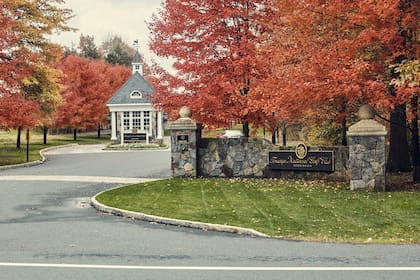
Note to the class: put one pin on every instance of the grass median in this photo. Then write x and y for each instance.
(282, 208)
(9, 154)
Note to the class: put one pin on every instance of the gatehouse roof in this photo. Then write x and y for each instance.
(136, 83)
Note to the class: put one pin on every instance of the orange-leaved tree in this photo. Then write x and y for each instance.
(15, 62)
(26, 52)
(324, 62)
(214, 45)
(330, 56)
(87, 86)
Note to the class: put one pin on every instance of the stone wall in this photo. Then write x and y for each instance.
(193, 156)
(232, 157)
(248, 157)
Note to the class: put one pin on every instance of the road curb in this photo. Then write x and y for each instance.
(175, 222)
(37, 162)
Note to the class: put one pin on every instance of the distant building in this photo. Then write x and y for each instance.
(133, 117)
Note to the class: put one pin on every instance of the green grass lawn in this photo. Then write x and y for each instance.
(289, 209)
(9, 154)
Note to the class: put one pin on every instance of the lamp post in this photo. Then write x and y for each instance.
(27, 144)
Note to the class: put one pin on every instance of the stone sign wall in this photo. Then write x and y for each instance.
(249, 157)
(363, 162)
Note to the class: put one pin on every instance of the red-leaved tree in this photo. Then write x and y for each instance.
(328, 57)
(214, 44)
(15, 62)
(26, 58)
(88, 84)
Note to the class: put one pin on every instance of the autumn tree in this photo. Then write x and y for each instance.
(324, 61)
(24, 50)
(408, 79)
(336, 54)
(88, 48)
(44, 88)
(15, 59)
(88, 84)
(405, 51)
(116, 51)
(214, 46)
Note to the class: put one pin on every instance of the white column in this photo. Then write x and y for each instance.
(113, 126)
(122, 127)
(159, 125)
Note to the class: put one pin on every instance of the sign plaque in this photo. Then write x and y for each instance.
(134, 136)
(182, 139)
(302, 160)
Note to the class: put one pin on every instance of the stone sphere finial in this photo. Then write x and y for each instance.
(366, 112)
(185, 112)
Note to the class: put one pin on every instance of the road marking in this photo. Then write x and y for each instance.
(90, 179)
(206, 268)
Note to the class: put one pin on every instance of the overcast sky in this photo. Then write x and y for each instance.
(104, 18)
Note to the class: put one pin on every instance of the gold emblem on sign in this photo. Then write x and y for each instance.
(301, 151)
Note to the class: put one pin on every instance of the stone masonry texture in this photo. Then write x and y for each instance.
(367, 163)
(248, 157)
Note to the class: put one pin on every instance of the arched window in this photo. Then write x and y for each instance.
(136, 94)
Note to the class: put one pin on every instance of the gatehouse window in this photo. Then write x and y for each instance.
(136, 95)
(126, 120)
(137, 120)
(146, 120)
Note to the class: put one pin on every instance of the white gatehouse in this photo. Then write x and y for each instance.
(133, 116)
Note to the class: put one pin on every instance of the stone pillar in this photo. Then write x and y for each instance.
(113, 126)
(367, 152)
(184, 136)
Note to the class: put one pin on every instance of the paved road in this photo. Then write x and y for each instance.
(48, 231)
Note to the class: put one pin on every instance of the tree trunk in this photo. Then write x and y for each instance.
(398, 157)
(245, 129)
(245, 125)
(75, 134)
(344, 132)
(283, 132)
(415, 150)
(273, 136)
(343, 123)
(18, 137)
(99, 131)
(45, 130)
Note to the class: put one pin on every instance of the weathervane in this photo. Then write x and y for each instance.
(136, 44)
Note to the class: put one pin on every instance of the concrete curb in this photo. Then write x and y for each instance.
(37, 162)
(175, 222)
